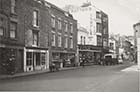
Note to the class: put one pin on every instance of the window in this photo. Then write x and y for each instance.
(37, 55)
(81, 39)
(35, 38)
(98, 27)
(71, 42)
(59, 24)
(84, 40)
(66, 42)
(71, 28)
(53, 39)
(66, 26)
(13, 6)
(36, 18)
(43, 58)
(99, 40)
(29, 58)
(1, 27)
(59, 41)
(53, 21)
(1, 4)
(111, 46)
(13, 29)
(98, 15)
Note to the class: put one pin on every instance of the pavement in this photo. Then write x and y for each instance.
(132, 68)
(2, 76)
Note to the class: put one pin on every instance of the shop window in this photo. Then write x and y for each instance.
(43, 58)
(13, 30)
(29, 58)
(38, 59)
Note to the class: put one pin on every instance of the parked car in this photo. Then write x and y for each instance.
(110, 59)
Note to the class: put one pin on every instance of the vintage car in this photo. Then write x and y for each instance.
(110, 59)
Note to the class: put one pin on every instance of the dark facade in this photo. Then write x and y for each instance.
(11, 38)
(30, 40)
(105, 32)
(63, 37)
(24, 30)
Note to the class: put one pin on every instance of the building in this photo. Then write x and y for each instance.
(137, 41)
(95, 22)
(63, 37)
(11, 39)
(33, 33)
(105, 32)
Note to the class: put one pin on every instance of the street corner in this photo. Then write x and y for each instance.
(134, 68)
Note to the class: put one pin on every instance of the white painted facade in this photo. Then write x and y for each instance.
(82, 36)
(86, 17)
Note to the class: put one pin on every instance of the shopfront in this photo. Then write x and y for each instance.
(64, 59)
(36, 59)
(11, 60)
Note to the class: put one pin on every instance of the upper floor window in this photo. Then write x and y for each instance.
(13, 29)
(1, 4)
(98, 15)
(1, 27)
(71, 27)
(66, 42)
(53, 39)
(13, 6)
(53, 21)
(59, 23)
(98, 27)
(66, 26)
(111, 46)
(71, 42)
(59, 41)
(99, 40)
(81, 39)
(35, 38)
(36, 18)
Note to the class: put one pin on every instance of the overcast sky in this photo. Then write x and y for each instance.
(122, 13)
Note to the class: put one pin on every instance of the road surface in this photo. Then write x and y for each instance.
(91, 78)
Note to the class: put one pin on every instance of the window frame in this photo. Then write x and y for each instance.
(53, 20)
(36, 18)
(13, 6)
(53, 40)
(2, 26)
(59, 40)
(12, 30)
(35, 40)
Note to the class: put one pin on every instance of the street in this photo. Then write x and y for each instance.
(91, 78)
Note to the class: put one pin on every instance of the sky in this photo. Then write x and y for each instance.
(122, 13)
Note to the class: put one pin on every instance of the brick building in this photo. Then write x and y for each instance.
(33, 33)
(63, 37)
